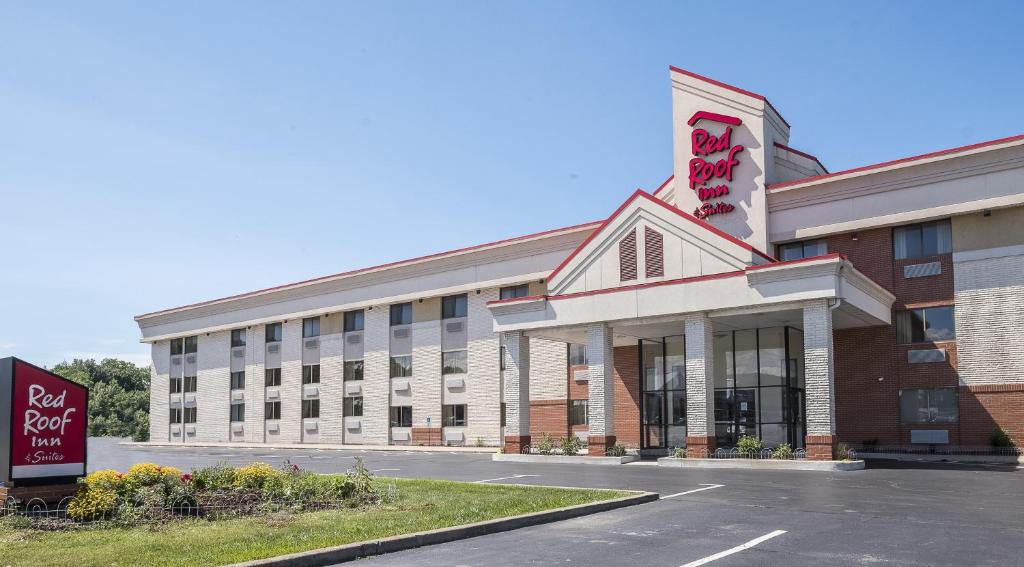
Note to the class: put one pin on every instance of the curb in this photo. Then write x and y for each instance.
(761, 464)
(358, 550)
(313, 446)
(564, 459)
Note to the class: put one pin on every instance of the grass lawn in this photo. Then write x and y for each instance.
(421, 505)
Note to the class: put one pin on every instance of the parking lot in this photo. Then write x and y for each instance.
(892, 513)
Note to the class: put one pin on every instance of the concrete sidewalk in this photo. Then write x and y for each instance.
(307, 446)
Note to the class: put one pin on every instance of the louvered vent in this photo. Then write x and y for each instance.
(401, 333)
(921, 356)
(354, 339)
(455, 327)
(627, 257)
(176, 361)
(191, 359)
(238, 353)
(274, 348)
(312, 343)
(654, 256)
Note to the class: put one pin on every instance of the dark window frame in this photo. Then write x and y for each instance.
(350, 404)
(273, 333)
(954, 419)
(399, 370)
(237, 380)
(921, 231)
(237, 415)
(450, 415)
(918, 334)
(781, 250)
(356, 372)
(271, 377)
(271, 411)
(448, 358)
(401, 314)
(310, 327)
(311, 409)
(310, 374)
(514, 291)
(575, 411)
(354, 321)
(403, 418)
(237, 338)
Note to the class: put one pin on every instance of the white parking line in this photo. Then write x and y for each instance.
(506, 477)
(385, 470)
(736, 549)
(706, 487)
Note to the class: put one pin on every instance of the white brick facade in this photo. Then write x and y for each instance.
(548, 363)
(483, 387)
(255, 350)
(700, 377)
(377, 376)
(601, 373)
(426, 384)
(291, 382)
(989, 292)
(213, 387)
(331, 388)
(819, 368)
(517, 384)
(159, 409)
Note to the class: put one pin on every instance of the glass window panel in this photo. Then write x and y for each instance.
(723, 360)
(746, 358)
(191, 345)
(272, 410)
(354, 321)
(724, 407)
(675, 363)
(791, 251)
(677, 436)
(814, 248)
(453, 306)
(796, 357)
(175, 385)
(652, 408)
(238, 338)
(514, 291)
(353, 370)
(939, 324)
(745, 405)
(774, 434)
(772, 343)
(273, 333)
(177, 346)
(311, 374)
(353, 406)
(677, 407)
(929, 406)
(310, 409)
(311, 327)
(238, 380)
(578, 412)
(401, 314)
(653, 375)
(237, 412)
(771, 405)
(577, 354)
(907, 242)
(725, 434)
(454, 362)
(401, 416)
(401, 366)
(943, 404)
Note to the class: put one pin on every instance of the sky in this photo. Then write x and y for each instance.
(159, 154)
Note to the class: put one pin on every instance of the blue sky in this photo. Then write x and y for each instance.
(153, 155)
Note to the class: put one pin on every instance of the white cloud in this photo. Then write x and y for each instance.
(7, 346)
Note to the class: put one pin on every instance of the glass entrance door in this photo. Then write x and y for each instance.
(663, 390)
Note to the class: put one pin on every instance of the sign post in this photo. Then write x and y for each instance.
(43, 420)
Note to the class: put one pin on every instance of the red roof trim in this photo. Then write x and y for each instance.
(664, 185)
(803, 154)
(729, 87)
(641, 193)
(777, 186)
(377, 267)
(714, 116)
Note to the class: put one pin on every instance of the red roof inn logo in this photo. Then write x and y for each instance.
(707, 175)
(42, 424)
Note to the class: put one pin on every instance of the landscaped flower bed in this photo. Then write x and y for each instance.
(148, 493)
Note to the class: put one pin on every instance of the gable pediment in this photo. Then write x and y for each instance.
(646, 241)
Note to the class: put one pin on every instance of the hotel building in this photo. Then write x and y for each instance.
(753, 293)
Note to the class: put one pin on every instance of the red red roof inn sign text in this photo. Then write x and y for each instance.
(713, 162)
(42, 425)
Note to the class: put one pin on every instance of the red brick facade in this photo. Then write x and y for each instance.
(627, 395)
(549, 417)
(426, 436)
(984, 408)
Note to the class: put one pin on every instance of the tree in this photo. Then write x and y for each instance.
(118, 396)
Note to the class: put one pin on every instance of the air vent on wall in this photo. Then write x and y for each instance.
(919, 356)
(176, 361)
(922, 270)
(238, 353)
(311, 343)
(401, 333)
(274, 348)
(354, 339)
(191, 359)
(455, 327)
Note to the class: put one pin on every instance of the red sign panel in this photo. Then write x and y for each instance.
(48, 424)
(709, 175)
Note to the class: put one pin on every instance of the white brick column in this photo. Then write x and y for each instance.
(819, 380)
(601, 387)
(517, 391)
(700, 385)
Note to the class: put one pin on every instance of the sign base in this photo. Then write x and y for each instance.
(47, 493)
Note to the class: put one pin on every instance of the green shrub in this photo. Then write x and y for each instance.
(571, 445)
(218, 477)
(546, 444)
(92, 503)
(258, 477)
(783, 451)
(479, 442)
(999, 438)
(616, 450)
(361, 480)
(679, 453)
(843, 452)
(749, 446)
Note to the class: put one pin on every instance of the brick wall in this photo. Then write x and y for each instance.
(548, 416)
(983, 408)
(627, 395)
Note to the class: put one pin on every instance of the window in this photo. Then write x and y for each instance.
(401, 416)
(311, 374)
(453, 416)
(311, 327)
(237, 338)
(401, 366)
(237, 412)
(273, 333)
(353, 370)
(925, 239)
(272, 377)
(577, 355)
(401, 314)
(238, 380)
(577, 412)
(353, 407)
(190, 415)
(502, 411)
(514, 291)
(190, 383)
(175, 386)
(454, 362)
(929, 324)
(802, 249)
(175, 415)
(177, 347)
(191, 345)
(272, 410)
(501, 357)
(310, 409)
(929, 406)
(453, 306)
(354, 321)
